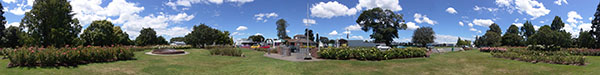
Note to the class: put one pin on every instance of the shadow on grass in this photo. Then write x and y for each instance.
(59, 66)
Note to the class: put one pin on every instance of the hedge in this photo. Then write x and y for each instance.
(67, 56)
(553, 57)
(371, 53)
(226, 52)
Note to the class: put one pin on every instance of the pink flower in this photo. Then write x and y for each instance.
(64, 53)
(31, 51)
(74, 48)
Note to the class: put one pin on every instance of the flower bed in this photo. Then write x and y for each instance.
(492, 49)
(553, 57)
(226, 52)
(585, 52)
(266, 50)
(371, 53)
(37, 56)
(172, 47)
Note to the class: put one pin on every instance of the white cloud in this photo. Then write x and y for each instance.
(173, 31)
(482, 22)
(188, 3)
(573, 16)
(536, 27)
(354, 27)
(309, 22)
(16, 24)
(531, 7)
(411, 26)
(264, 16)
(287, 30)
(591, 18)
(470, 24)
(477, 8)
(240, 28)
(9, 1)
(503, 3)
(448, 39)
(258, 34)
(347, 32)
(451, 10)
(384, 4)
(559, 2)
(333, 33)
(423, 18)
(461, 23)
(181, 17)
(473, 29)
(518, 24)
(331, 9)
(516, 19)
(358, 37)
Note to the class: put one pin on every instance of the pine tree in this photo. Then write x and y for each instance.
(596, 26)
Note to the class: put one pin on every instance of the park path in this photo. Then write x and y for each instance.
(443, 50)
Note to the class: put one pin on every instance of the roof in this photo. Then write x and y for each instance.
(300, 40)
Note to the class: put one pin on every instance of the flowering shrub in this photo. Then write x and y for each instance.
(226, 52)
(67, 56)
(492, 49)
(553, 57)
(371, 53)
(586, 52)
(266, 50)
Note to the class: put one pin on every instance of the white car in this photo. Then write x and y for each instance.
(383, 47)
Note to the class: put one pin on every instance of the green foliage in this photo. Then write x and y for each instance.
(11, 36)
(371, 53)
(3, 39)
(147, 37)
(162, 41)
(309, 34)
(281, 29)
(527, 29)
(596, 27)
(461, 42)
(226, 52)
(383, 23)
(99, 33)
(257, 38)
(180, 39)
(585, 40)
(423, 36)
(51, 23)
(203, 35)
(557, 24)
(66, 56)
(511, 37)
(553, 57)
(121, 37)
(547, 37)
(492, 37)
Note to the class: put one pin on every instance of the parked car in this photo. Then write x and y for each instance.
(255, 46)
(265, 46)
(383, 47)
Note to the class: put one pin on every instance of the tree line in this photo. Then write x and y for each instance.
(51, 23)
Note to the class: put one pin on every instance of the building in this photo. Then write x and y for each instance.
(360, 43)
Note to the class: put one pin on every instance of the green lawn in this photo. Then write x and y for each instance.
(200, 62)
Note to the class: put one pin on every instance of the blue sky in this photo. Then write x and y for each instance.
(330, 18)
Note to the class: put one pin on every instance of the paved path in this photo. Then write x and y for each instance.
(443, 50)
(293, 57)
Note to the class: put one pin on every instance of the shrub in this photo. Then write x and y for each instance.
(67, 56)
(492, 49)
(266, 50)
(371, 53)
(553, 57)
(585, 52)
(226, 52)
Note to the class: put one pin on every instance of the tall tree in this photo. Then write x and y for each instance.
(12, 36)
(547, 37)
(281, 29)
(99, 33)
(51, 23)
(423, 36)
(203, 35)
(257, 38)
(557, 24)
(147, 37)
(495, 28)
(383, 23)
(121, 37)
(309, 34)
(3, 39)
(585, 39)
(177, 39)
(527, 29)
(596, 26)
(161, 41)
(511, 37)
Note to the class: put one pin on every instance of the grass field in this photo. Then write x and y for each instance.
(200, 62)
